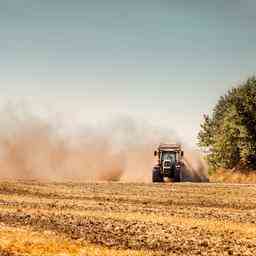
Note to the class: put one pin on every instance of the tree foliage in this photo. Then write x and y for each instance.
(229, 133)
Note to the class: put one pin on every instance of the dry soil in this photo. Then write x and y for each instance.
(127, 219)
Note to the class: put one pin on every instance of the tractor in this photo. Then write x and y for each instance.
(169, 164)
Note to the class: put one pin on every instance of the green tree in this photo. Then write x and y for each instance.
(230, 132)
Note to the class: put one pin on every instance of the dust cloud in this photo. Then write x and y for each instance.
(196, 169)
(33, 148)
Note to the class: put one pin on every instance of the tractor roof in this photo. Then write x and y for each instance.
(175, 147)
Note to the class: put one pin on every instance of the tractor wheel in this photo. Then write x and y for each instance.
(177, 175)
(156, 175)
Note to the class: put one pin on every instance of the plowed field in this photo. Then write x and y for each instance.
(127, 219)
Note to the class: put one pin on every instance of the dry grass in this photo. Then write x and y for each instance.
(25, 241)
(230, 176)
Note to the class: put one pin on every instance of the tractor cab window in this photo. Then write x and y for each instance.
(171, 156)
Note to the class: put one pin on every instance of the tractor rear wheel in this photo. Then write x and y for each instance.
(156, 175)
(177, 175)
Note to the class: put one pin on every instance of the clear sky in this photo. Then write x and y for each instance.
(165, 61)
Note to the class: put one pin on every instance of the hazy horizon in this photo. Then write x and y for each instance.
(165, 63)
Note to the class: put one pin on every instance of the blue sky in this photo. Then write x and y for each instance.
(165, 62)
